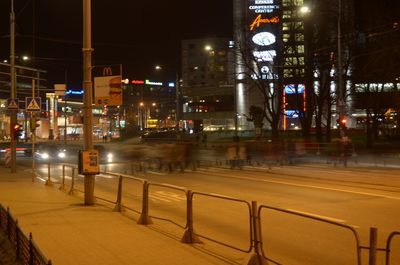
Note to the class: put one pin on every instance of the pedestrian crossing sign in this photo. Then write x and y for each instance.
(12, 103)
(32, 103)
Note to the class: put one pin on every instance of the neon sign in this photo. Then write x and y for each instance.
(265, 56)
(259, 20)
(137, 82)
(263, 2)
(263, 9)
(264, 38)
(294, 89)
(148, 82)
(74, 92)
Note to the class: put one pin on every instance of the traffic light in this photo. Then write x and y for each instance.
(34, 124)
(17, 130)
(342, 122)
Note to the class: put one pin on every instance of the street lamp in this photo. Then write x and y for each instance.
(340, 104)
(177, 96)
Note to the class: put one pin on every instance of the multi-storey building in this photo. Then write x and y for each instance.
(207, 84)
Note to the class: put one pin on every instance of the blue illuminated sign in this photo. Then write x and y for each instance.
(294, 89)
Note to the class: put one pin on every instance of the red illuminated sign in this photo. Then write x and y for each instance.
(259, 20)
(138, 82)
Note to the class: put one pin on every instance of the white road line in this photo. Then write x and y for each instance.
(154, 172)
(319, 216)
(42, 179)
(312, 187)
(154, 197)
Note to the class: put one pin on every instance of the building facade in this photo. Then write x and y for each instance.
(207, 86)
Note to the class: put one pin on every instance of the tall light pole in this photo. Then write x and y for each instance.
(177, 111)
(340, 99)
(13, 113)
(87, 95)
(177, 96)
(340, 102)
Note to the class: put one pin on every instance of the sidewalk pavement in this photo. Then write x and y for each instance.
(69, 233)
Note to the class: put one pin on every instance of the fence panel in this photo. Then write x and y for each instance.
(168, 202)
(223, 220)
(290, 237)
(26, 250)
(393, 249)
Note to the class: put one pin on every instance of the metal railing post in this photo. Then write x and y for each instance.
(62, 187)
(8, 223)
(189, 237)
(118, 206)
(144, 218)
(30, 249)
(373, 241)
(71, 191)
(48, 181)
(18, 248)
(256, 258)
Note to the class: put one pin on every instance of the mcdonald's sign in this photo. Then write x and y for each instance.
(107, 85)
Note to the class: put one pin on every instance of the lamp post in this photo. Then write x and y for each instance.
(177, 96)
(340, 102)
(13, 113)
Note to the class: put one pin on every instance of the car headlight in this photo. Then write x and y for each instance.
(61, 155)
(45, 155)
(109, 157)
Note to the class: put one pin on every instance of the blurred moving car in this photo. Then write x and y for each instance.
(159, 136)
(51, 153)
(105, 155)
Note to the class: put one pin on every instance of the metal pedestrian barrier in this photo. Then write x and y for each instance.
(250, 217)
(388, 246)
(27, 252)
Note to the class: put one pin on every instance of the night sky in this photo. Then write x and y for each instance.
(138, 34)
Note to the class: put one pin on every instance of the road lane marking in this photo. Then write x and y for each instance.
(318, 216)
(307, 186)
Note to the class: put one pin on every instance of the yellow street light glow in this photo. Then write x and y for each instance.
(305, 10)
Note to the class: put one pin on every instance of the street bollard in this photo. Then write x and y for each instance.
(7, 158)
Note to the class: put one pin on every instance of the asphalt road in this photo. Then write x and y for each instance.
(360, 197)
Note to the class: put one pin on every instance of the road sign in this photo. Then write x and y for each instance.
(60, 89)
(32, 103)
(12, 103)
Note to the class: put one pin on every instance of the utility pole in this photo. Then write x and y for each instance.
(340, 100)
(177, 101)
(33, 132)
(13, 112)
(87, 88)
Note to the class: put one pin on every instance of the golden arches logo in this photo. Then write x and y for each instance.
(107, 71)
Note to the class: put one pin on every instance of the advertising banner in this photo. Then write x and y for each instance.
(264, 23)
(108, 85)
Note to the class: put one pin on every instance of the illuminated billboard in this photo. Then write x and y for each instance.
(264, 24)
